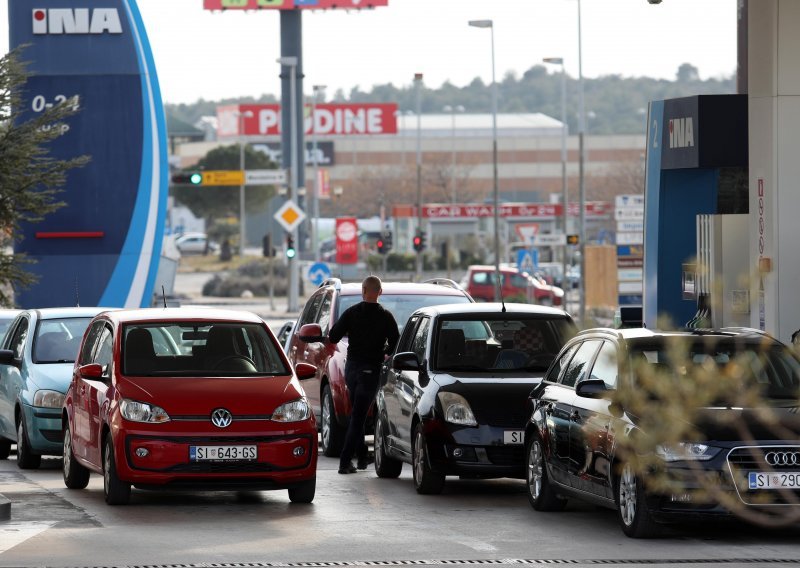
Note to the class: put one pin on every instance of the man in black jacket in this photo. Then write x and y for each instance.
(372, 333)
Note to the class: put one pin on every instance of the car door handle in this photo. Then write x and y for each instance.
(575, 416)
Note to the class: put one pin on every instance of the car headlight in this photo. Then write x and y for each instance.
(142, 412)
(686, 451)
(294, 411)
(48, 399)
(456, 409)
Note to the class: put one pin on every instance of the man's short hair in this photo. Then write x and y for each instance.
(371, 284)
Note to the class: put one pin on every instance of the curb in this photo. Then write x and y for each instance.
(5, 508)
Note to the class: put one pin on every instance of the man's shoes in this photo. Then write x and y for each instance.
(349, 468)
(363, 463)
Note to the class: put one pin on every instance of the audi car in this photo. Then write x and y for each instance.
(180, 398)
(663, 426)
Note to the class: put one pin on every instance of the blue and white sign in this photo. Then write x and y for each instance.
(527, 259)
(106, 241)
(318, 273)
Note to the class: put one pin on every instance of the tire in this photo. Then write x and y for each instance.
(541, 494)
(26, 459)
(5, 448)
(303, 493)
(634, 516)
(385, 466)
(426, 480)
(332, 433)
(115, 491)
(75, 475)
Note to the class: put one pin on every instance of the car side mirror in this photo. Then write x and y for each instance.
(92, 371)
(6, 357)
(592, 388)
(305, 371)
(406, 361)
(311, 333)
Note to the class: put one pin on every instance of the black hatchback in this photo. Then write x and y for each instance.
(665, 426)
(454, 399)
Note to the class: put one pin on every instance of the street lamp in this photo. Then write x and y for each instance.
(564, 196)
(417, 88)
(291, 62)
(242, 115)
(316, 185)
(489, 24)
(581, 182)
(453, 110)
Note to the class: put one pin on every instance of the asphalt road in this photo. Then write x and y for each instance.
(355, 520)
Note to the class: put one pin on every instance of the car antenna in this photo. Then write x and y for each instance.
(77, 296)
(164, 295)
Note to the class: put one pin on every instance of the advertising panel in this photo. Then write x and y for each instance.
(325, 155)
(346, 240)
(291, 4)
(594, 210)
(102, 247)
(357, 119)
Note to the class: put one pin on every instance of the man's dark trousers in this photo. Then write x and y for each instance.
(362, 384)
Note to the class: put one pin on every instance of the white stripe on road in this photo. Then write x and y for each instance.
(12, 534)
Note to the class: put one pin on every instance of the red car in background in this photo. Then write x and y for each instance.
(515, 286)
(181, 398)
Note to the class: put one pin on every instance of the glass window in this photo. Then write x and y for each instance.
(577, 367)
(105, 349)
(519, 281)
(402, 306)
(17, 344)
(205, 349)
(91, 339)
(408, 335)
(421, 339)
(605, 366)
(312, 307)
(324, 318)
(560, 364)
(58, 340)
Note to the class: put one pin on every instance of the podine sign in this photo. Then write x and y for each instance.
(103, 247)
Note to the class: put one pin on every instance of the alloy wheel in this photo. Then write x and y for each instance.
(326, 421)
(535, 466)
(627, 495)
(419, 456)
(378, 442)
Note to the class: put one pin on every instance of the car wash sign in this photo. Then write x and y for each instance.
(103, 247)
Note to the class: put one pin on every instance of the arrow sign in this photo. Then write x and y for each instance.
(318, 273)
(223, 177)
(264, 177)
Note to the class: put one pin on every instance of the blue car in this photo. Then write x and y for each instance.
(37, 355)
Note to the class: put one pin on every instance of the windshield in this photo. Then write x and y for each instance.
(192, 348)
(771, 367)
(58, 340)
(502, 344)
(402, 306)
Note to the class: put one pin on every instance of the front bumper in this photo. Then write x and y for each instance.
(477, 451)
(43, 426)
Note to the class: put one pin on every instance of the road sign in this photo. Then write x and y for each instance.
(549, 240)
(264, 177)
(526, 231)
(223, 177)
(527, 260)
(635, 200)
(630, 226)
(289, 215)
(630, 238)
(318, 273)
(628, 214)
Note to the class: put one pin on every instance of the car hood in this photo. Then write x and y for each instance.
(494, 401)
(195, 395)
(50, 376)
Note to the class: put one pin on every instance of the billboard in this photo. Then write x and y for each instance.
(291, 4)
(328, 120)
(104, 245)
(346, 240)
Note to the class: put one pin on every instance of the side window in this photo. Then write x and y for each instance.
(408, 334)
(560, 364)
(88, 345)
(324, 318)
(310, 313)
(17, 344)
(579, 364)
(421, 338)
(519, 281)
(605, 366)
(105, 349)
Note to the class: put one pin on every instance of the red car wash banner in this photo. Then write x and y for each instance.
(346, 240)
(291, 4)
(328, 120)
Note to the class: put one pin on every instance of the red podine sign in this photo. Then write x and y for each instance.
(346, 240)
(594, 209)
(329, 120)
(291, 4)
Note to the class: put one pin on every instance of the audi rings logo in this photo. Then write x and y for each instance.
(221, 418)
(779, 459)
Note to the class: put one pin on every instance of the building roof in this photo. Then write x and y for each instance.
(467, 124)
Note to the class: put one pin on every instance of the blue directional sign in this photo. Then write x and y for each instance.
(318, 273)
(527, 260)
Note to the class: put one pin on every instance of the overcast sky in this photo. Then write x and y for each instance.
(201, 54)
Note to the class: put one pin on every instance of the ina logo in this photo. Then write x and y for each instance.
(681, 132)
(76, 21)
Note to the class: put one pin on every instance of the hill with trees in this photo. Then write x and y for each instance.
(614, 104)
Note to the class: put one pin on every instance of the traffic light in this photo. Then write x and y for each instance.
(573, 239)
(387, 241)
(419, 242)
(380, 245)
(291, 252)
(187, 178)
(384, 243)
(266, 243)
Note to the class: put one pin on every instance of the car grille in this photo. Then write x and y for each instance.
(741, 461)
(506, 455)
(232, 467)
(496, 411)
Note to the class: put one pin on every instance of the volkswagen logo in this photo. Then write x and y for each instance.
(779, 459)
(221, 418)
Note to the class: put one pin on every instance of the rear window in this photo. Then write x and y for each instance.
(207, 349)
(499, 344)
(403, 305)
(58, 340)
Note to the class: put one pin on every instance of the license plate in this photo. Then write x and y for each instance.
(774, 480)
(223, 453)
(513, 437)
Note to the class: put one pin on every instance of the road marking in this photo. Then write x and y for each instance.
(12, 534)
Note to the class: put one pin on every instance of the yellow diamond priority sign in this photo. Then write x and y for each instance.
(289, 215)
